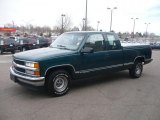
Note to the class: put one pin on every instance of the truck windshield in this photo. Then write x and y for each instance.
(69, 41)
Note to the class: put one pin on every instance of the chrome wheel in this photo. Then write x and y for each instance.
(138, 69)
(60, 83)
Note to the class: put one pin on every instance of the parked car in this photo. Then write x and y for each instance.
(77, 55)
(155, 45)
(8, 45)
(27, 43)
(43, 42)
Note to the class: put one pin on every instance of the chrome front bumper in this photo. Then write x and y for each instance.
(34, 81)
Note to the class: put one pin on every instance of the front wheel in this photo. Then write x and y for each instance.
(136, 70)
(58, 83)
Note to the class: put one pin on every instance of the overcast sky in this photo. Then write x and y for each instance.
(47, 12)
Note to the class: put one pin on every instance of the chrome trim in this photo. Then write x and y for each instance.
(130, 63)
(60, 66)
(39, 83)
(36, 81)
(100, 68)
(25, 67)
(24, 73)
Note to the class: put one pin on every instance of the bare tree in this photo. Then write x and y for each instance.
(75, 28)
(63, 23)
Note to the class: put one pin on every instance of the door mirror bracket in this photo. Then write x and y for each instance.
(87, 50)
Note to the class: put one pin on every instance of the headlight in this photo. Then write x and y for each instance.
(32, 64)
(37, 73)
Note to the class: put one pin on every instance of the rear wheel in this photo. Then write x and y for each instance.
(1, 51)
(136, 70)
(58, 83)
(13, 51)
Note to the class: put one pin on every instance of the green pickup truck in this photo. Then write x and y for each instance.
(77, 55)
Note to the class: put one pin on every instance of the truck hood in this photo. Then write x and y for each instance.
(42, 53)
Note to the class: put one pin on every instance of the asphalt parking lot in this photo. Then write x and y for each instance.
(114, 97)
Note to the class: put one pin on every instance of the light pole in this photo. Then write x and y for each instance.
(86, 15)
(62, 15)
(146, 29)
(111, 16)
(134, 23)
(83, 27)
(98, 24)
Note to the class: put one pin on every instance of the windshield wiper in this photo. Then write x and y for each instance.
(62, 47)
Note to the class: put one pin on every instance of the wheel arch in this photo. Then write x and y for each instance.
(139, 58)
(67, 67)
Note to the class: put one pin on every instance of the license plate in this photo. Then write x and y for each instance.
(11, 45)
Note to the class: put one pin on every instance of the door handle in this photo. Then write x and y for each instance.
(107, 55)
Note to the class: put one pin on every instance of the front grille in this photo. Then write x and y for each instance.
(19, 62)
(19, 69)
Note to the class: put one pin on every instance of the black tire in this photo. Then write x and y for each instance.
(13, 51)
(58, 83)
(136, 70)
(1, 51)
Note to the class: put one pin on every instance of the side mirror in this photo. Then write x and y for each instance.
(87, 50)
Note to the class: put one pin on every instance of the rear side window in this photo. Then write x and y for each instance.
(10, 41)
(24, 41)
(111, 39)
(112, 42)
(95, 41)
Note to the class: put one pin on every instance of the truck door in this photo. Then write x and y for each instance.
(96, 61)
(114, 52)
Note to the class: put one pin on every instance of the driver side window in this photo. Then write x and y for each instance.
(95, 41)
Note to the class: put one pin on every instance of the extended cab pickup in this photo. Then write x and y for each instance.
(77, 55)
